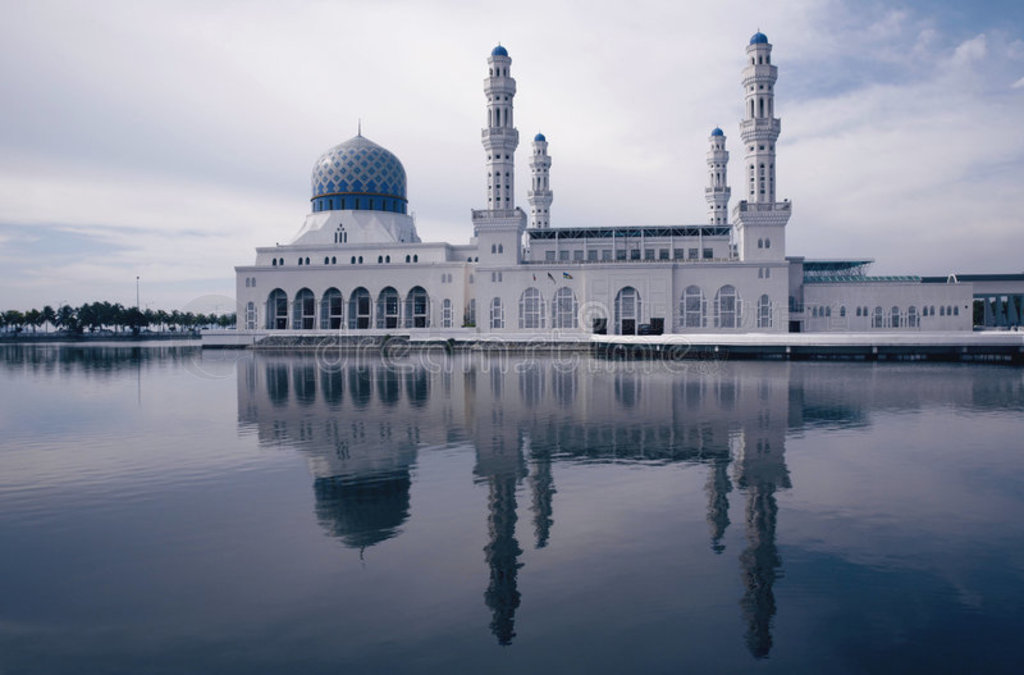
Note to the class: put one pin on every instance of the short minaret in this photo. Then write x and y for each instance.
(759, 128)
(717, 192)
(499, 227)
(540, 195)
(500, 138)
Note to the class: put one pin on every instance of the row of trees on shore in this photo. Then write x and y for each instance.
(95, 316)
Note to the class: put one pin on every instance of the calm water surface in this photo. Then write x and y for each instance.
(172, 511)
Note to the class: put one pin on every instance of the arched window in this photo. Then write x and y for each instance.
(327, 260)
(304, 310)
(877, 318)
(913, 320)
(359, 309)
(408, 258)
(497, 314)
(417, 308)
(764, 312)
(387, 308)
(277, 310)
(273, 263)
(531, 309)
(446, 313)
(727, 307)
(895, 314)
(842, 311)
(330, 310)
(627, 311)
(693, 310)
(501, 248)
(760, 243)
(416, 258)
(250, 316)
(767, 243)
(564, 309)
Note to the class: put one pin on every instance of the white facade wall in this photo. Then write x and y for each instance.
(834, 306)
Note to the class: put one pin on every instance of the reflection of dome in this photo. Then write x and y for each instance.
(364, 511)
(358, 175)
(717, 132)
(759, 38)
(499, 51)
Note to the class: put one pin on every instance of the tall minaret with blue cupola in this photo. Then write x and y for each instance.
(499, 227)
(500, 138)
(760, 128)
(540, 195)
(717, 192)
(760, 221)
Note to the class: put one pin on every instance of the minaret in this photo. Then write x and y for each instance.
(500, 138)
(758, 220)
(759, 128)
(540, 194)
(499, 227)
(717, 192)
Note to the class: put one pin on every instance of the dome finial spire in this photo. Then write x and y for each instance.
(359, 127)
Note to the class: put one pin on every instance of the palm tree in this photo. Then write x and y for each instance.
(34, 318)
(50, 317)
(66, 318)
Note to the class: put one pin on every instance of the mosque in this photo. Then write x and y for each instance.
(358, 264)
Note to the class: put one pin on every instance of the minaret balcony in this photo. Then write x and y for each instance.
(717, 190)
(500, 132)
(761, 125)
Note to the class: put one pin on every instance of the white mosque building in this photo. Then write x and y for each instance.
(358, 265)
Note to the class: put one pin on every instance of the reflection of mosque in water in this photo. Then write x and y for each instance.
(359, 428)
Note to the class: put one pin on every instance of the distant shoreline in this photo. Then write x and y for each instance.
(32, 338)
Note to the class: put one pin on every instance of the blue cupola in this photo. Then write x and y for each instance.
(499, 51)
(539, 137)
(717, 132)
(759, 38)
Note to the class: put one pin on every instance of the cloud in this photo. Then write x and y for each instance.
(1019, 84)
(970, 51)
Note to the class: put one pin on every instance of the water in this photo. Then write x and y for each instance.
(172, 511)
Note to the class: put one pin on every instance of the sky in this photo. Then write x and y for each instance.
(164, 141)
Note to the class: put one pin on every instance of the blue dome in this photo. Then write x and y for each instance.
(499, 51)
(358, 174)
(539, 137)
(717, 132)
(759, 38)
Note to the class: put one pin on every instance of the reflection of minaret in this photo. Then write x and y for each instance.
(501, 464)
(542, 486)
(718, 487)
(761, 470)
(502, 553)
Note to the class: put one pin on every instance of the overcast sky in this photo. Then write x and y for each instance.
(168, 139)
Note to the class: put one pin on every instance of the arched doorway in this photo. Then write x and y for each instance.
(277, 310)
(627, 311)
(359, 309)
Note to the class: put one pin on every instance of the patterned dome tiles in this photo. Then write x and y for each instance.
(358, 165)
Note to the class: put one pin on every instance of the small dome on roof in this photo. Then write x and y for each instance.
(540, 137)
(759, 38)
(717, 132)
(499, 51)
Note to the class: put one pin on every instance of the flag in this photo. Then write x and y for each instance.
(552, 278)
(566, 275)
